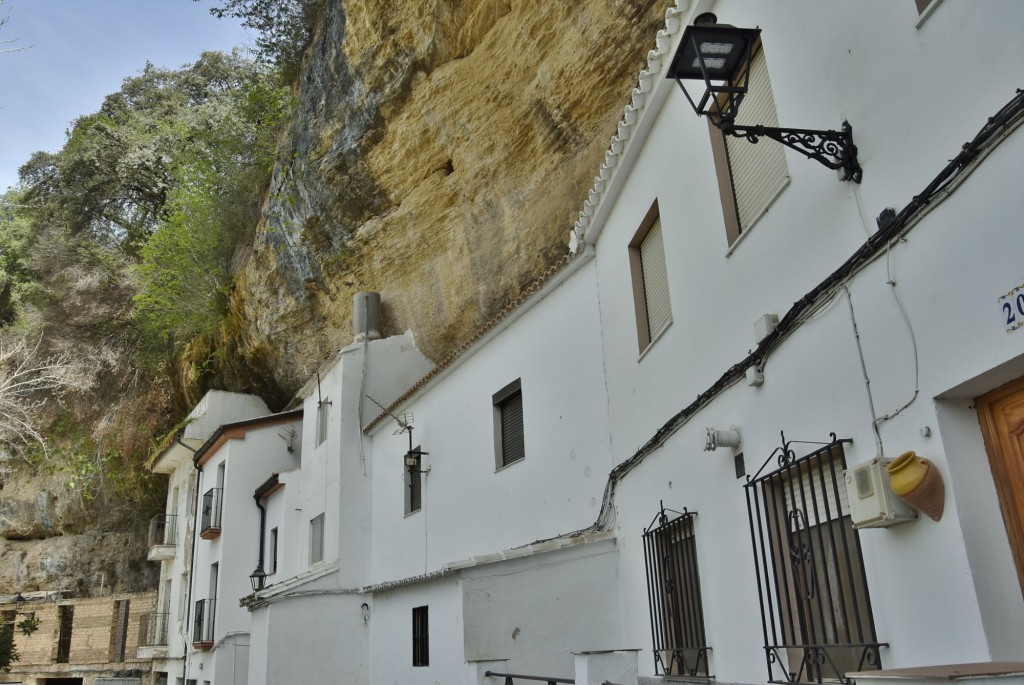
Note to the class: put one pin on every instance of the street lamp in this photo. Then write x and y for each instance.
(719, 55)
(258, 578)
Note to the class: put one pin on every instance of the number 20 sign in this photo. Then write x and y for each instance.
(1012, 305)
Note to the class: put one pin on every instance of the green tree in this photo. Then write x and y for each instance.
(17, 280)
(8, 652)
(118, 249)
(283, 28)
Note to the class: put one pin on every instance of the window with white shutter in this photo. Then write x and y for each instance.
(750, 175)
(650, 280)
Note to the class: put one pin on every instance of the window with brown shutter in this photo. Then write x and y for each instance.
(509, 438)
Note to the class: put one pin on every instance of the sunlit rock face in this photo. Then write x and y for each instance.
(439, 154)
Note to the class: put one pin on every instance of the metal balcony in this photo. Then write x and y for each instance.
(153, 629)
(202, 624)
(212, 501)
(163, 537)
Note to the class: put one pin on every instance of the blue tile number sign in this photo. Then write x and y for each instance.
(1012, 306)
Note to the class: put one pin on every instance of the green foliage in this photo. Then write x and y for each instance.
(29, 624)
(185, 272)
(18, 283)
(283, 28)
(116, 251)
(8, 652)
(112, 180)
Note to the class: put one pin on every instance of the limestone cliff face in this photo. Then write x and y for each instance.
(49, 540)
(439, 154)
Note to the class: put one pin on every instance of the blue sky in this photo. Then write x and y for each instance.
(81, 51)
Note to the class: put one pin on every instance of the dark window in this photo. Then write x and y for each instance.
(420, 637)
(816, 611)
(413, 481)
(7, 632)
(119, 631)
(66, 619)
(510, 444)
(673, 584)
(210, 527)
(273, 551)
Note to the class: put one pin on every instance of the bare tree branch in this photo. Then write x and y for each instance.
(9, 42)
(27, 383)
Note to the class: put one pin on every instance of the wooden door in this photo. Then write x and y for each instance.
(1001, 413)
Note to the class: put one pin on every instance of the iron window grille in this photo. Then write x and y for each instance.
(211, 510)
(202, 623)
(815, 606)
(508, 418)
(673, 591)
(420, 637)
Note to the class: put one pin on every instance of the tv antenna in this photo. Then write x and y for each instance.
(404, 422)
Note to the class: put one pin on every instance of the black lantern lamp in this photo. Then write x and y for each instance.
(720, 55)
(258, 578)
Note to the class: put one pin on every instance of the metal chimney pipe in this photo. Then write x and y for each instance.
(366, 315)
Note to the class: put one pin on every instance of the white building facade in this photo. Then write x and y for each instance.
(661, 463)
(166, 634)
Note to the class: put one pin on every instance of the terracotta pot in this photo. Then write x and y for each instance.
(916, 481)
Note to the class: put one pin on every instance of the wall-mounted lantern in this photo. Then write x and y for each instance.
(719, 55)
(258, 578)
(365, 609)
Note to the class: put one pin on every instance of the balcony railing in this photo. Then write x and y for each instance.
(510, 677)
(202, 623)
(153, 629)
(211, 513)
(163, 530)
(163, 537)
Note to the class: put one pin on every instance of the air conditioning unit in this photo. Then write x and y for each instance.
(872, 502)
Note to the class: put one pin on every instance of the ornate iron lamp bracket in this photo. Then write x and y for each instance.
(834, 149)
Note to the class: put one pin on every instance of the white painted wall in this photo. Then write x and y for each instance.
(330, 647)
(316, 631)
(941, 592)
(469, 507)
(216, 408)
(248, 462)
(536, 611)
(391, 634)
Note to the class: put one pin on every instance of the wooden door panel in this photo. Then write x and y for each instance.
(1001, 414)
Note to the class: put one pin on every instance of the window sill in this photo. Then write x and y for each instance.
(509, 465)
(654, 339)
